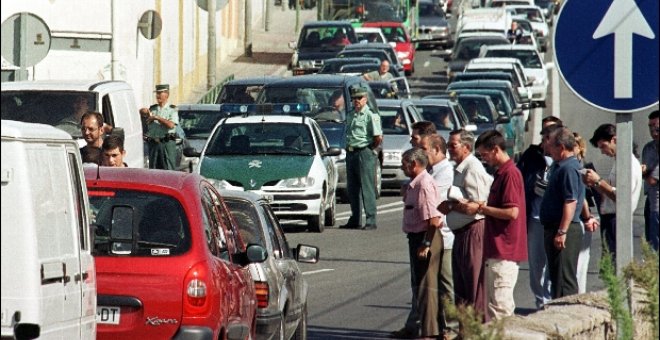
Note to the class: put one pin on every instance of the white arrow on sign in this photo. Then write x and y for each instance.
(623, 19)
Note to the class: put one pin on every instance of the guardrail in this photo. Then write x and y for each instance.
(212, 94)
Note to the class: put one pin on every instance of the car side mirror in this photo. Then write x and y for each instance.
(292, 45)
(191, 152)
(503, 119)
(334, 151)
(306, 254)
(517, 112)
(256, 253)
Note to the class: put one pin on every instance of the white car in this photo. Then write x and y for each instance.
(536, 17)
(532, 63)
(286, 159)
(363, 34)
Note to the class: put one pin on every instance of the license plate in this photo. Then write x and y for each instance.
(107, 315)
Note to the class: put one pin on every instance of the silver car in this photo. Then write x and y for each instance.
(280, 285)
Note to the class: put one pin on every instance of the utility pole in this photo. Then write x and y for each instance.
(297, 16)
(268, 10)
(211, 82)
(248, 28)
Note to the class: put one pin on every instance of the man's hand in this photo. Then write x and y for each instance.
(445, 207)
(560, 241)
(591, 225)
(590, 177)
(144, 112)
(423, 252)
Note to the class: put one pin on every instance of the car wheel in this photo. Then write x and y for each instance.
(317, 223)
(301, 331)
(330, 218)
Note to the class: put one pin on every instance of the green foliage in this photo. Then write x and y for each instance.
(616, 291)
(645, 274)
(472, 326)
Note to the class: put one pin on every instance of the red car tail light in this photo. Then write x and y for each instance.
(262, 294)
(195, 295)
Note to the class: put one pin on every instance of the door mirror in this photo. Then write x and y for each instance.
(256, 253)
(306, 254)
(191, 152)
(292, 45)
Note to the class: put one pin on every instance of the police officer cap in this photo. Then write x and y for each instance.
(358, 92)
(162, 87)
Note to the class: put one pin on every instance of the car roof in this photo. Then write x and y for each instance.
(488, 66)
(383, 24)
(366, 29)
(21, 130)
(327, 23)
(62, 85)
(135, 176)
(246, 195)
(253, 80)
(352, 60)
(478, 82)
(511, 47)
(432, 101)
(315, 80)
(267, 119)
(367, 46)
(198, 107)
(392, 102)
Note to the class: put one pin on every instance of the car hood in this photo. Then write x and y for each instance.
(432, 21)
(396, 143)
(253, 171)
(457, 65)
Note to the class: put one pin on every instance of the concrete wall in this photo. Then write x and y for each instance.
(177, 57)
(584, 316)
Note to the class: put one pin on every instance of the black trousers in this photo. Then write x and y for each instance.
(562, 263)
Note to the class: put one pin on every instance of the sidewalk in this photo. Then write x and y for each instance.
(270, 50)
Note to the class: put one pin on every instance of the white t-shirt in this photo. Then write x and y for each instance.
(608, 206)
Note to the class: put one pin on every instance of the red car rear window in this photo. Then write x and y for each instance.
(133, 223)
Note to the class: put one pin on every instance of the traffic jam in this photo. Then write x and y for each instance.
(202, 246)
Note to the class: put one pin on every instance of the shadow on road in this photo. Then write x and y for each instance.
(322, 333)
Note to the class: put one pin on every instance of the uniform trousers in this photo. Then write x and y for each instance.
(162, 155)
(361, 185)
(467, 266)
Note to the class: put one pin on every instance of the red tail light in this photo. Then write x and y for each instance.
(262, 294)
(195, 291)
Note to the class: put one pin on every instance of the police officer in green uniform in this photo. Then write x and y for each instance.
(161, 119)
(363, 135)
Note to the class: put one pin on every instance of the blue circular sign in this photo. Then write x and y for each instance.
(607, 52)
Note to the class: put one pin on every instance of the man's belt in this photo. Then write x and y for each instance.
(354, 149)
(168, 137)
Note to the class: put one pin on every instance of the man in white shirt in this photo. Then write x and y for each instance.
(604, 138)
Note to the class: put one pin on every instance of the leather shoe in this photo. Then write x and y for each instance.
(404, 333)
(369, 227)
(349, 226)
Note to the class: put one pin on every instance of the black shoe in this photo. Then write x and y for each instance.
(404, 333)
(349, 226)
(369, 227)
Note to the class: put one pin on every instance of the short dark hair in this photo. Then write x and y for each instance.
(90, 154)
(605, 132)
(490, 139)
(550, 128)
(424, 127)
(437, 142)
(551, 119)
(655, 114)
(92, 114)
(112, 142)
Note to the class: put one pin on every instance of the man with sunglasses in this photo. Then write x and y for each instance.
(363, 135)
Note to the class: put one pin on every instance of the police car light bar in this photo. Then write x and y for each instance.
(267, 109)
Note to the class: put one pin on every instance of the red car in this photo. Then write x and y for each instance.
(405, 49)
(169, 258)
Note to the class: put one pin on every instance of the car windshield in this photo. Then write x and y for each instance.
(198, 124)
(326, 38)
(320, 100)
(440, 115)
(261, 139)
(365, 10)
(238, 94)
(476, 110)
(393, 121)
(247, 217)
(531, 14)
(469, 49)
(335, 134)
(529, 59)
(137, 223)
(430, 10)
(55, 108)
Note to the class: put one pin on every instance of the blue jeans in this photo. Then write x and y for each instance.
(652, 224)
(539, 277)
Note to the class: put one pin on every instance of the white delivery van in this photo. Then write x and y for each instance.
(52, 101)
(48, 273)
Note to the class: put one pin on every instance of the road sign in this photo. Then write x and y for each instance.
(607, 52)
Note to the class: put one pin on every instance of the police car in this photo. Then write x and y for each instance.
(286, 159)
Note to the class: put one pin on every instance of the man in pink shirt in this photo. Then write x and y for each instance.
(421, 220)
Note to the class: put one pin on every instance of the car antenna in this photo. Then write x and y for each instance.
(98, 169)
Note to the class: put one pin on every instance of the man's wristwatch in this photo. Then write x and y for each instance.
(427, 243)
(561, 232)
(597, 184)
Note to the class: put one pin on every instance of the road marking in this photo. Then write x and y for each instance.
(427, 63)
(317, 271)
(400, 203)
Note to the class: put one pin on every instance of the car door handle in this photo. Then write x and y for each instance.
(81, 276)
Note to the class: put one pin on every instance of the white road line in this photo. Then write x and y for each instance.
(427, 63)
(317, 271)
(379, 212)
(348, 213)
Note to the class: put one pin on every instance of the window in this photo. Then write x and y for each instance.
(79, 199)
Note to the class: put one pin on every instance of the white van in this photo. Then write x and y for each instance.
(48, 273)
(51, 102)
